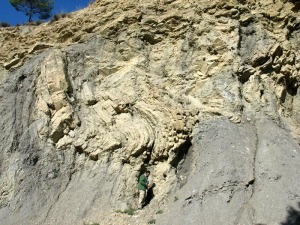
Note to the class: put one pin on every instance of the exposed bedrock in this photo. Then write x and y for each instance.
(203, 93)
(236, 174)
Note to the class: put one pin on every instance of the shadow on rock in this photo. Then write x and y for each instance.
(293, 217)
(150, 194)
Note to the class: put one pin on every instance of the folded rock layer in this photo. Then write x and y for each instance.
(205, 94)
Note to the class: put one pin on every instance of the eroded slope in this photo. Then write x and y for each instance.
(90, 101)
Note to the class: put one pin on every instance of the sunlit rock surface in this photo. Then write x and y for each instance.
(203, 93)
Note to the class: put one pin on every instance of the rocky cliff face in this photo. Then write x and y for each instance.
(203, 93)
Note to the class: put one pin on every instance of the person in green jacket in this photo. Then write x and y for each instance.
(142, 187)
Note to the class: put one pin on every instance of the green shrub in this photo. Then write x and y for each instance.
(38, 22)
(152, 221)
(34, 23)
(4, 24)
(58, 16)
(159, 212)
(130, 211)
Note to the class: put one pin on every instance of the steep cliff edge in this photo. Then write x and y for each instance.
(203, 93)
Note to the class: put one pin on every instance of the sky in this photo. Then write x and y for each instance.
(10, 15)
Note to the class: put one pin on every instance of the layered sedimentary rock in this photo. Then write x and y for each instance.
(203, 93)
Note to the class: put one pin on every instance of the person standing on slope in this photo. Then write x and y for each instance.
(142, 187)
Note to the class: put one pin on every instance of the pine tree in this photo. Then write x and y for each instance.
(41, 8)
